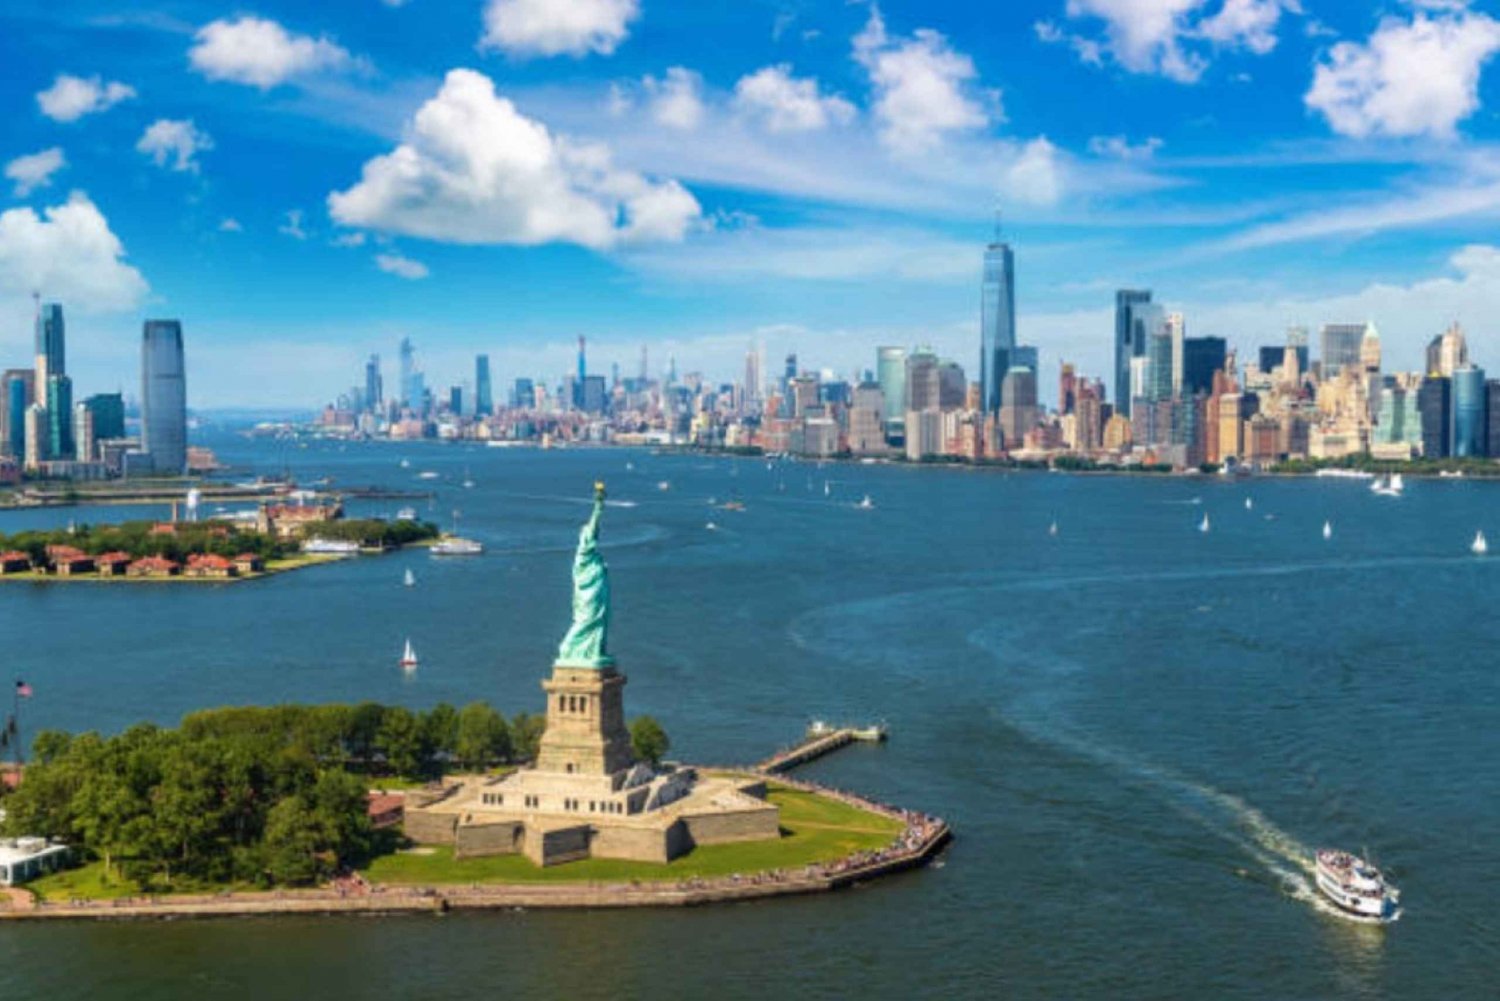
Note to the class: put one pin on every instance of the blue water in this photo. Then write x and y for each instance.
(1137, 729)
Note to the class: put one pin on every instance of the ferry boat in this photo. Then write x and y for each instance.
(456, 546)
(1356, 887)
(1480, 545)
(408, 658)
(343, 547)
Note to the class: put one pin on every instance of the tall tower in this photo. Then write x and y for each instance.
(997, 318)
(1130, 342)
(50, 354)
(484, 393)
(408, 369)
(164, 397)
(374, 385)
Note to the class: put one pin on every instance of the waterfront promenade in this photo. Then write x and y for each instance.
(920, 840)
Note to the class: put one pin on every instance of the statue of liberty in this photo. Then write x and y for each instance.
(585, 644)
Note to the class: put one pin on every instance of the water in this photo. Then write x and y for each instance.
(1138, 730)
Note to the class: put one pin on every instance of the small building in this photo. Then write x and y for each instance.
(385, 809)
(163, 528)
(68, 560)
(291, 521)
(14, 561)
(249, 563)
(153, 566)
(209, 565)
(24, 859)
(112, 564)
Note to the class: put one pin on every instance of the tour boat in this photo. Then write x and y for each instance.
(1327, 529)
(409, 658)
(343, 547)
(455, 546)
(1356, 887)
(1203, 525)
(1479, 546)
(410, 580)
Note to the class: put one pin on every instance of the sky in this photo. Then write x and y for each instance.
(304, 184)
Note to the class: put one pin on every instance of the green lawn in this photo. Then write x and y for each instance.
(814, 829)
(87, 881)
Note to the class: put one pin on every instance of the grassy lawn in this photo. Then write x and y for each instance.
(814, 829)
(87, 881)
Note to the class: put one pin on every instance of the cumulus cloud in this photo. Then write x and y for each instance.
(69, 252)
(261, 53)
(472, 169)
(71, 97)
(1035, 177)
(784, 103)
(230, 225)
(1411, 78)
(1170, 38)
(1120, 148)
(174, 143)
(401, 267)
(34, 170)
(676, 99)
(924, 88)
(551, 28)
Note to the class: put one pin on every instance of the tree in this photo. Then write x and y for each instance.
(526, 735)
(648, 740)
(400, 740)
(440, 729)
(482, 737)
(364, 723)
(292, 842)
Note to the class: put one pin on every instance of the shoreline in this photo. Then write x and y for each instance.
(920, 843)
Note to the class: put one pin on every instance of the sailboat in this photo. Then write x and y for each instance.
(1479, 546)
(1249, 504)
(865, 504)
(1327, 529)
(410, 580)
(409, 658)
(1052, 529)
(468, 480)
(1203, 525)
(827, 488)
(1391, 486)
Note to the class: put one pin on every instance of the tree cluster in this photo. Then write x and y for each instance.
(137, 539)
(376, 533)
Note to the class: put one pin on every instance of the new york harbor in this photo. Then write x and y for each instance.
(623, 498)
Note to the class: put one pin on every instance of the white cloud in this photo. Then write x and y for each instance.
(1166, 37)
(291, 225)
(1035, 178)
(557, 27)
(34, 170)
(230, 225)
(924, 89)
(1120, 148)
(71, 97)
(176, 140)
(785, 103)
(261, 53)
(1410, 79)
(677, 98)
(355, 239)
(472, 169)
(401, 267)
(70, 254)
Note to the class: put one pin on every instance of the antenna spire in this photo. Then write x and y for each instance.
(999, 224)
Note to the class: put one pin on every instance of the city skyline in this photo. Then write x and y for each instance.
(787, 183)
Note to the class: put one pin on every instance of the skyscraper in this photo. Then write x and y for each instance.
(108, 410)
(752, 374)
(523, 394)
(59, 416)
(922, 385)
(1435, 404)
(1177, 331)
(50, 354)
(1201, 358)
(1127, 345)
(1470, 423)
(17, 392)
(484, 393)
(1018, 412)
(997, 320)
(411, 396)
(164, 397)
(1492, 409)
(374, 385)
(1340, 346)
(890, 372)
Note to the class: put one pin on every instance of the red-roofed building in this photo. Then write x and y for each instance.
(249, 563)
(386, 809)
(14, 561)
(163, 528)
(153, 566)
(209, 565)
(68, 560)
(112, 564)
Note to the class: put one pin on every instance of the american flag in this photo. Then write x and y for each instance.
(23, 690)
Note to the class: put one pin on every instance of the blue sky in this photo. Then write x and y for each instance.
(304, 184)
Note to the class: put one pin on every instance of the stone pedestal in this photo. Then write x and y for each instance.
(586, 732)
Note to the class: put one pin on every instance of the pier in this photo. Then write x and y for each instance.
(816, 744)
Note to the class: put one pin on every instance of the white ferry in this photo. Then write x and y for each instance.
(455, 546)
(1356, 887)
(1344, 474)
(343, 547)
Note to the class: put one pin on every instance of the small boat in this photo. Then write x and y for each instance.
(1450, 474)
(1391, 486)
(865, 504)
(405, 463)
(732, 505)
(1356, 887)
(455, 546)
(1052, 529)
(1249, 504)
(1203, 525)
(629, 467)
(1327, 529)
(711, 527)
(410, 580)
(874, 733)
(407, 514)
(664, 485)
(409, 658)
(827, 488)
(1480, 545)
(427, 474)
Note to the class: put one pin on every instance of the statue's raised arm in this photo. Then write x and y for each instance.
(586, 645)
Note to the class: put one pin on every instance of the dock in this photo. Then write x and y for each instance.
(819, 741)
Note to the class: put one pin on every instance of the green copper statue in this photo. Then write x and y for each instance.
(585, 644)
